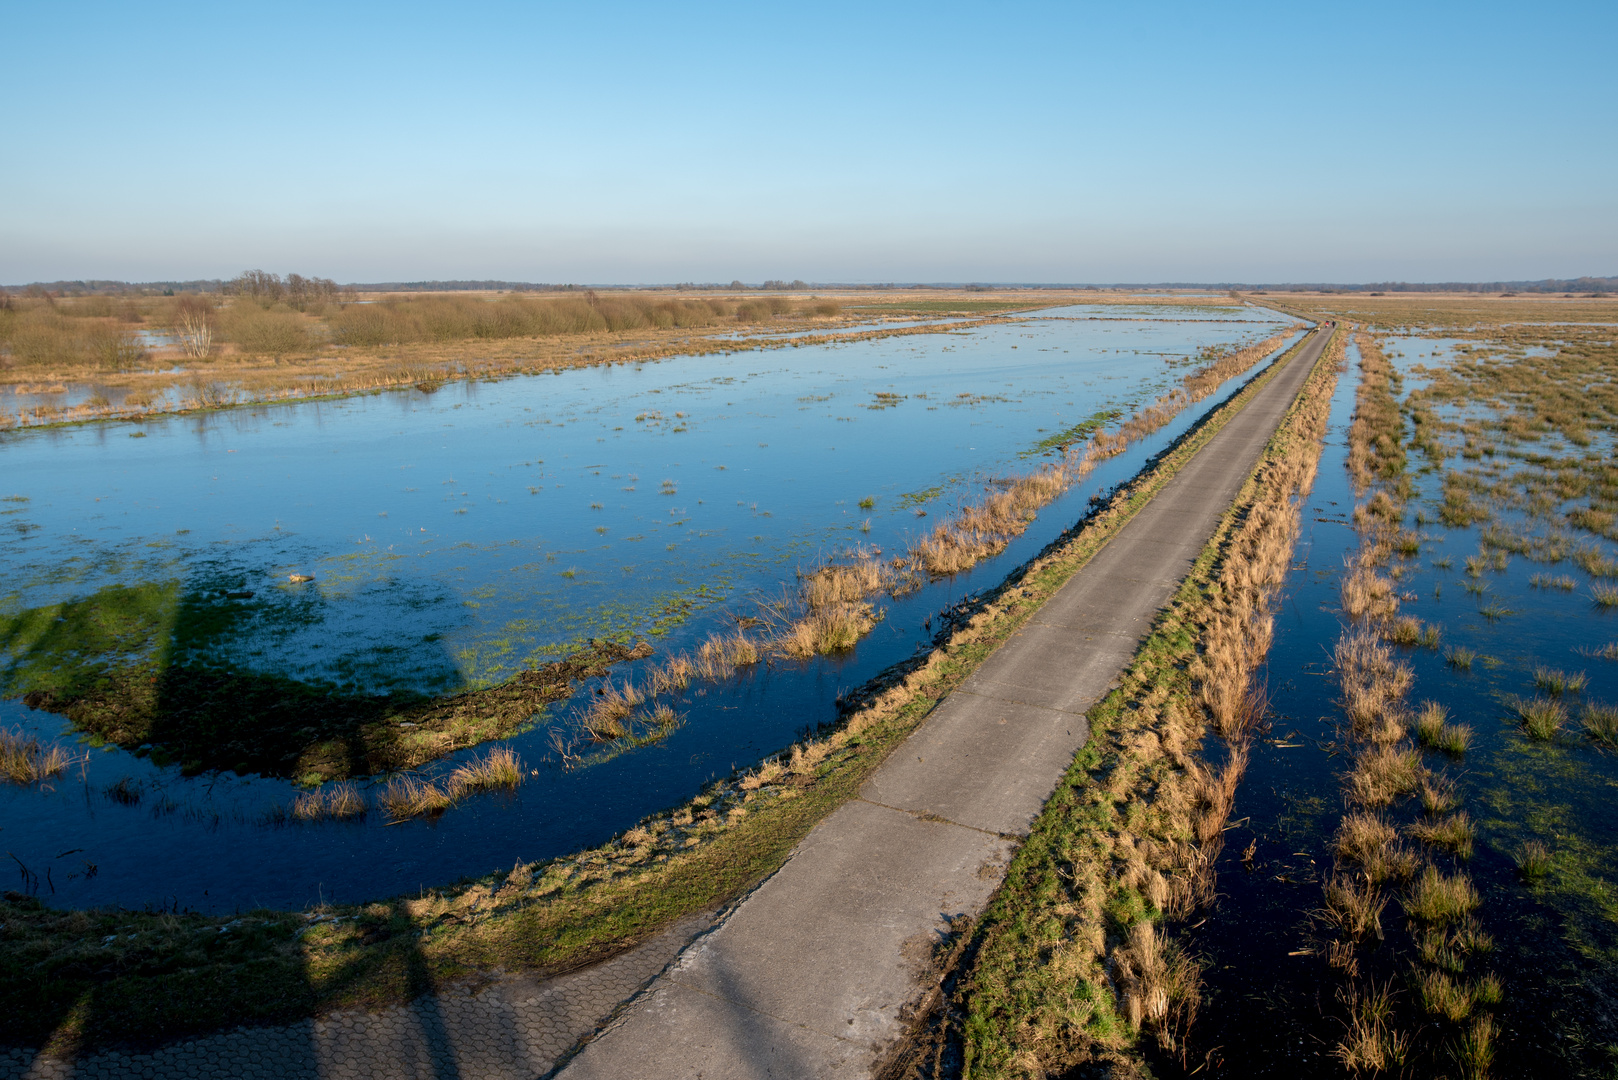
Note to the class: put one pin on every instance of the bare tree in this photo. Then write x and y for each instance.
(193, 322)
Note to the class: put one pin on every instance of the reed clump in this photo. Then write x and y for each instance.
(1454, 999)
(1460, 658)
(499, 769)
(1383, 773)
(25, 760)
(1161, 987)
(1473, 1053)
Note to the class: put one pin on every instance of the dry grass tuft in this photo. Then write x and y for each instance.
(1556, 682)
(1353, 905)
(1382, 774)
(333, 802)
(1368, 595)
(499, 769)
(409, 796)
(1453, 999)
(25, 760)
(1455, 833)
(1371, 842)
(1371, 1045)
(1473, 1053)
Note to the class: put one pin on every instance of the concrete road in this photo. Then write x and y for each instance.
(812, 974)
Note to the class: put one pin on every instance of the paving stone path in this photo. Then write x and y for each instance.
(515, 1029)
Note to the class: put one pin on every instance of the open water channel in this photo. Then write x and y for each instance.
(457, 537)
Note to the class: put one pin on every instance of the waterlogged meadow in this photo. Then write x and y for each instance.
(346, 649)
(1421, 877)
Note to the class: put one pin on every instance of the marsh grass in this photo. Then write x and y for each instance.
(1460, 658)
(331, 802)
(1473, 1051)
(1450, 949)
(498, 769)
(1556, 682)
(1161, 986)
(1437, 898)
(25, 760)
(1604, 596)
(409, 796)
(1547, 581)
(1453, 999)
(1371, 1043)
(1372, 843)
(1540, 717)
(1601, 722)
(1435, 732)
(1383, 773)
(1534, 861)
(1455, 833)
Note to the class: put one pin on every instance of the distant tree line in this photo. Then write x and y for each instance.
(296, 291)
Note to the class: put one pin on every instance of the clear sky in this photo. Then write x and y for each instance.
(622, 143)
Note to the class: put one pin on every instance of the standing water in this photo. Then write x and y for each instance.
(454, 537)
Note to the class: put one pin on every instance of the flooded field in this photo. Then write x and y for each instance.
(1419, 877)
(374, 554)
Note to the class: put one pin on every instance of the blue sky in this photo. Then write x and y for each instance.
(622, 143)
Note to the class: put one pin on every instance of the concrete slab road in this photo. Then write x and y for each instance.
(811, 975)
